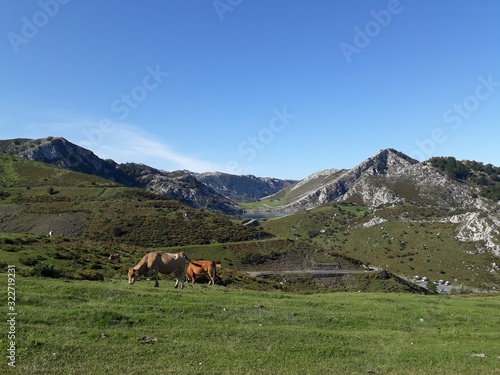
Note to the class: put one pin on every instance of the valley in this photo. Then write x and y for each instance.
(335, 256)
(435, 219)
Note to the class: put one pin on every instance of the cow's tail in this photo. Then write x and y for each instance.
(189, 260)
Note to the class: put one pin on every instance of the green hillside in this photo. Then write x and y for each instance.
(411, 241)
(39, 198)
(90, 218)
(20, 173)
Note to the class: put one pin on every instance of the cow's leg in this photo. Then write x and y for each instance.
(157, 284)
(179, 279)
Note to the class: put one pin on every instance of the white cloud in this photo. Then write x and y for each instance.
(121, 142)
(128, 143)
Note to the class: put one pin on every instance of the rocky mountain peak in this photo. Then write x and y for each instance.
(385, 162)
(60, 152)
(388, 177)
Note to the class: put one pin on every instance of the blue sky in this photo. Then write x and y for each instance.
(279, 88)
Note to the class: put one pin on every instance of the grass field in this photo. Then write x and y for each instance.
(423, 246)
(84, 327)
(67, 324)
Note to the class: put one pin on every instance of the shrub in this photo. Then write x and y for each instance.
(64, 255)
(90, 275)
(28, 261)
(253, 259)
(96, 266)
(118, 231)
(431, 287)
(44, 270)
(4, 194)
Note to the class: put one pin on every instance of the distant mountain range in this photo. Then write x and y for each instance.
(469, 190)
(215, 191)
(390, 177)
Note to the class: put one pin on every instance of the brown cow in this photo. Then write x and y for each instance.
(157, 262)
(201, 267)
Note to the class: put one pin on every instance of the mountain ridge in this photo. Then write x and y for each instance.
(400, 179)
(244, 188)
(391, 179)
(331, 184)
(387, 177)
(184, 186)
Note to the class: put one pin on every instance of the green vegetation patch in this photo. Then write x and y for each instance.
(113, 328)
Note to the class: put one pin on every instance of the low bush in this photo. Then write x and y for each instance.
(44, 270)
(90, 275)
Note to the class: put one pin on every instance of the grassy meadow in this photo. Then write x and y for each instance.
(76, 314)
(89, 327)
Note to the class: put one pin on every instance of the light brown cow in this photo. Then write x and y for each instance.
(157, 262)
(114, 256)
(201, 267)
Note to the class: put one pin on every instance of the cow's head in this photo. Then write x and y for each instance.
(132, 275)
